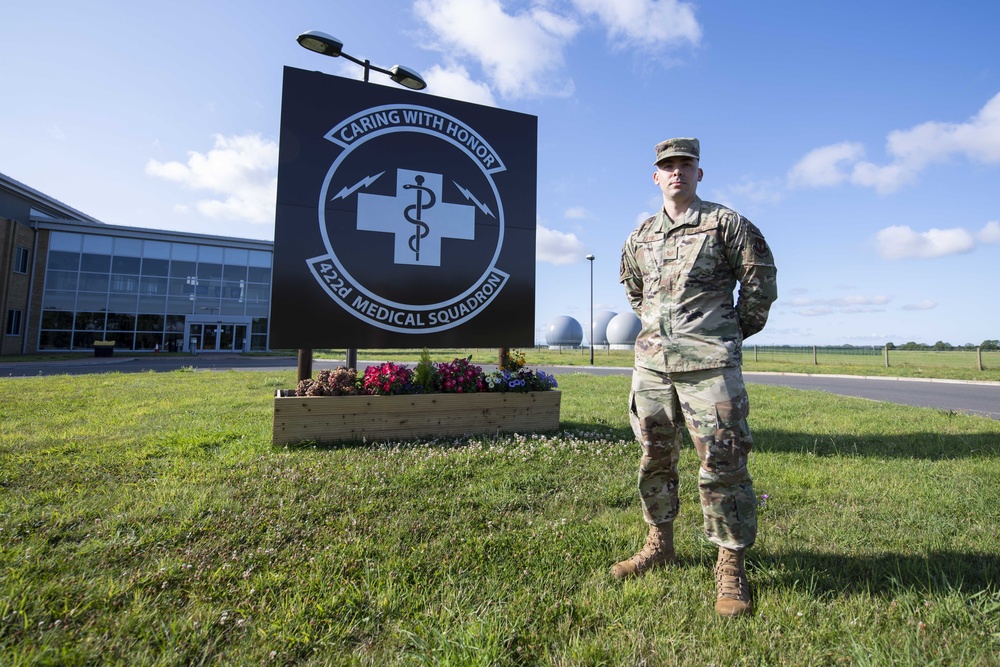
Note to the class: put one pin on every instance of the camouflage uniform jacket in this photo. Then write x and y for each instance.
(680, 276)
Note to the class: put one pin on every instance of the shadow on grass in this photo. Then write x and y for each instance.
(930, 446)
(443, 442)
(918, 445)
(882, 574)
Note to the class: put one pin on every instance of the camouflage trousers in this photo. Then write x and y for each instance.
(713, 405)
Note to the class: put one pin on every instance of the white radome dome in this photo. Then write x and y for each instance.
(623, 329)
(564, 331)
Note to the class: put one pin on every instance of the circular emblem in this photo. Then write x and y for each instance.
(411, 220)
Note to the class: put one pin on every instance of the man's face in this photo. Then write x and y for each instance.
(678, 177)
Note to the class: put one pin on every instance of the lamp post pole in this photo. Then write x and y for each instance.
(590, 258)
(327, 45)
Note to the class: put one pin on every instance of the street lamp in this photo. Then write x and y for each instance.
(590, 258)
(327, 45)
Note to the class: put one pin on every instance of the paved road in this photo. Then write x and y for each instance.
(981, 398)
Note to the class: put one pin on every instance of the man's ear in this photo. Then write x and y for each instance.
(701, 174)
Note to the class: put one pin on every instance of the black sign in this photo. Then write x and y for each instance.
(403, 219)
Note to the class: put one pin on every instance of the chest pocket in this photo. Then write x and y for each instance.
(659, 257)
(699, 243)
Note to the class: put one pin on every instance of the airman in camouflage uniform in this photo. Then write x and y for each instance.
(680, 268)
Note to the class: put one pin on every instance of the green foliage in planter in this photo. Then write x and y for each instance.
(423, 374)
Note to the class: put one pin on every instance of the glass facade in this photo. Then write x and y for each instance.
(147, 295)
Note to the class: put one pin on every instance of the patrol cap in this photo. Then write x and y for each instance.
(686, 146)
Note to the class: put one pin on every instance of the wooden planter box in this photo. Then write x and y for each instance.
(382, 418)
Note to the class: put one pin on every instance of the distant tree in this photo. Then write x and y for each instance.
(910, 345)
(993, 344)
(890, 346)
(941, 345)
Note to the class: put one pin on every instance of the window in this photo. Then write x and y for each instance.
(95, 263)
(155, 267)
(13, 322)
(21, 260)
(156, 250)
(98, 245)
(64, 241)
(128, 265)
(62, 260)
(57, 319)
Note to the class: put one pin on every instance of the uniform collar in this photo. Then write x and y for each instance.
(691, 217)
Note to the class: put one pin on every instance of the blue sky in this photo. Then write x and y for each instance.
(862, 138)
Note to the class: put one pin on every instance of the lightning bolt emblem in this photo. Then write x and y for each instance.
(364, 182)
(468, 195)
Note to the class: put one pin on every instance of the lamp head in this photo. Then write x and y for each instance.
(321, 43)
(405, 76)
(590, 257)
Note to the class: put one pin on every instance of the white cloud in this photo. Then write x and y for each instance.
(241, 169)
(926, 304)
(910, 151)
(851, 301)
(857, 300)
(844, 305)
(576, 213)
(454, 82)
(990, 233)
(884, 179)
(557, 247)
(825, 166)
(902, 242)
(817, 311)
(522, 53)
(749, 192)
(650, 24)
(978, 139)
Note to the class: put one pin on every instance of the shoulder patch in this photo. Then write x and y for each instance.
(757, 242)
(760, 246)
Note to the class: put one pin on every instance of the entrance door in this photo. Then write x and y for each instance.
(194, 340)
(219, 336)
(240, 342)
(226, 332)
(210, 341)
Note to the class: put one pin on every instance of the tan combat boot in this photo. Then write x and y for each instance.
(732, 590)
(658, 550)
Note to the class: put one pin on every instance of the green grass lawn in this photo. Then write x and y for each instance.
(147, 520)
(956, 364)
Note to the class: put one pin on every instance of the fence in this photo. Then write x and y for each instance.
(977, 358)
